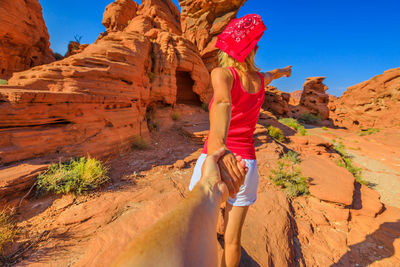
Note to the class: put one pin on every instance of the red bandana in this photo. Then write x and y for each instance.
(241, 36)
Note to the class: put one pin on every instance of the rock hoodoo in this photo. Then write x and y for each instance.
(95, 101)
(373, 103)
(276, 101)
(203, 20)
(24, 40)
(314, 97)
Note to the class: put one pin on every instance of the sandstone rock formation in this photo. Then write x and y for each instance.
(314, 97)
(75, 48)
(373, 103)
(24, 41)
(295, 97)
(118, 14)
(95, 101)
(276, 101)
(203, 20)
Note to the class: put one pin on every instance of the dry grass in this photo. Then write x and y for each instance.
(293, 123)
(139, 143)
(8, 228)
(175, 116)
(77, 176)
(276, 133)
(3, 82)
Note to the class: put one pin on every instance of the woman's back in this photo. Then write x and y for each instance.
(246, 104)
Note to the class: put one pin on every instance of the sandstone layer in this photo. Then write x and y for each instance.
(95, 102)
(202, 21)
(24, 40)
(373, 103)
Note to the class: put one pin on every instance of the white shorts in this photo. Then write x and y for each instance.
(247, 194)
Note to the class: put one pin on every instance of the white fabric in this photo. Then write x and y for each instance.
(247, 194)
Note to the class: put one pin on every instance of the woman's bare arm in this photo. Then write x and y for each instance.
(269, 76)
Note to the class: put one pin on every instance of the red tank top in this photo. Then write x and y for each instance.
(245, 110)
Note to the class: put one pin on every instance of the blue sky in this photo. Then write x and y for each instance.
(348, 41)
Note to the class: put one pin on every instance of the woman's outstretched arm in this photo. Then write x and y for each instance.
(269, 76)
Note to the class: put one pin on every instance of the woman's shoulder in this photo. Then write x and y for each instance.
(220, 73)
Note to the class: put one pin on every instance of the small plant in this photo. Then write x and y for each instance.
(310, 118)
(153, 125)
(175, 116)
(292, 156)
(346, 161)
(204, 106)
(369, 131)
(78, 38)
(139, 143)
(8, 229)
(77, 176)
(276, 133)
(288, 176)
(3, 82)
(293, 123)
(324, 128)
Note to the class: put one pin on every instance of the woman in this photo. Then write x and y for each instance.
(234, 110)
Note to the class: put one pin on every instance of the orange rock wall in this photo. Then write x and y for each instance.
(95, 102)
(373, 103)
(24, 41)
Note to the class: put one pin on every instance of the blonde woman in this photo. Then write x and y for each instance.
(234, 109)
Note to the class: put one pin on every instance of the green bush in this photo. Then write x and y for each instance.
(291, 156)
(288, 176)
(175, 116)
(310, 118)
(346, 161)
(151, 76)
(293, 123)
(276, 133)
(324, 128)
(369, 131)
(8, 229)
(3, 82)
(77, 176)
(139, 143)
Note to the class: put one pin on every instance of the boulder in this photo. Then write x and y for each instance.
(24, 40)
(276, 101)
(118, 14)
(314, 97)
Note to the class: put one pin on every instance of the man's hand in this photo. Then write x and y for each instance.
(233, 172)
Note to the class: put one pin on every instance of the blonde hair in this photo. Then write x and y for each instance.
(248, 64)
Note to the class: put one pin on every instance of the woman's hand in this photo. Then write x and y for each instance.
(233, 172)
(287, 71)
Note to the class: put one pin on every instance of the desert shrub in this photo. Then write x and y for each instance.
(8, 229)
(293, 123)
(77, 176)
(175, 116)
(139, 143)
(287, 175)
(346, 161)
(324, 128)
(310, 118)
(369, 131)
(3, 82)
(153, 125)
(291, 156)
(276, 133)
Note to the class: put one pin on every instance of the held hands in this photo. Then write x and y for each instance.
(217, 169)
(233, 172)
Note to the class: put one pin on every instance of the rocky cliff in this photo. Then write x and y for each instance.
(373, 103)
(95, 101)
(24, 41)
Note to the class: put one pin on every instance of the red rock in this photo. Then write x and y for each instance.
(366, 202)
(118, 14)
(328, 181)
(23, 37)
(314, 98)
(295, 97)
(276, 101)
(373, 103)
(75, 48)
(95, 101)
